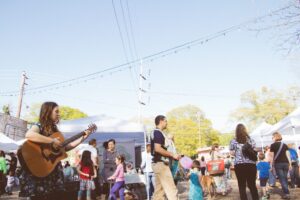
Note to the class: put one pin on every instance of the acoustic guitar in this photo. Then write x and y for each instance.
(41, 159)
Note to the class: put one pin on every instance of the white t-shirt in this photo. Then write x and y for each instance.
(147, 162)
(93, 150)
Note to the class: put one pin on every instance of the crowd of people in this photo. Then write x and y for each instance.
(92, 181)
(161, 166)
(249, 163)
(277, 161)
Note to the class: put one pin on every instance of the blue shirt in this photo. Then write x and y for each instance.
(263, 168)
(294, 155)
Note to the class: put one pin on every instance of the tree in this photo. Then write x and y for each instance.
(283, 26)
(6, 109)
(66, 113)
(265, 106)
(225, 138)
(191, 129)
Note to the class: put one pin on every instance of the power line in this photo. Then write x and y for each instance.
(152, 57)
(120, 31)
(131, 30)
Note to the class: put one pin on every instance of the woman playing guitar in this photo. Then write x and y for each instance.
(51, 186)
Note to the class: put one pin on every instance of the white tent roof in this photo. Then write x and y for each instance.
(7, 144)
(286, 124)
(262, 128)
(256, 135)
(103, 123)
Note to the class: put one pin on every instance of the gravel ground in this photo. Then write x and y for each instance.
(234, 194)
(183, 193)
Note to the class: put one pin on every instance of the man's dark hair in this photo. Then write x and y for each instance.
(93, 141)
(158, 119)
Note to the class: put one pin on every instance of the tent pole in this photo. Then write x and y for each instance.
(262, 143)
(294, 133)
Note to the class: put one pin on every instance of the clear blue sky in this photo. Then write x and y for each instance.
(56, 40)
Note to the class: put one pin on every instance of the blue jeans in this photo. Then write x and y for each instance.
(150, 183)
(228, 173)
(282, 170)
(272, 178)
(118, 186)
(294, 174)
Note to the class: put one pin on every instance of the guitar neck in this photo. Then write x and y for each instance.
(72, 139)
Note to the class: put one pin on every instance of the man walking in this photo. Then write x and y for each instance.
(146, 166)
(164, 183)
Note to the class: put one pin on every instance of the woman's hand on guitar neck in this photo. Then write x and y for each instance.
(56, 143)
(87, 133)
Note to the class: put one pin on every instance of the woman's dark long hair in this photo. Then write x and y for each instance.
(86, 161)
(105, 145)
(48, 126)
(241, 134)
(202, 159)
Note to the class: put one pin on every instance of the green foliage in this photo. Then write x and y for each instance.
(6, 109)
(66, 113)
(266, 105)
(225, 138)
(191, 129)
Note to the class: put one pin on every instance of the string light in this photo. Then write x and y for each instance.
(146, 59)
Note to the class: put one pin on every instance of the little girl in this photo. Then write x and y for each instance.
(87, 173)
(118, 176)
(194, 175)
(12, 181)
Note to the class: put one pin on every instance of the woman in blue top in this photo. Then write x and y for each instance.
(195, 192)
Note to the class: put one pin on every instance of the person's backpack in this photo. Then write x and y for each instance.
(249, 152)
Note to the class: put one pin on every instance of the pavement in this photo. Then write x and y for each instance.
(183, 188)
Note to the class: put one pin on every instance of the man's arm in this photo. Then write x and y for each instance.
(163, 152)
(143, 164)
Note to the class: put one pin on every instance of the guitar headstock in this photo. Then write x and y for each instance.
(92, 128)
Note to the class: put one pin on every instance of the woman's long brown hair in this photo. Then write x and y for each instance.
(48, 126)
(241, 134)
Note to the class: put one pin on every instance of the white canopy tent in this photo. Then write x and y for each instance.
(104, 124)
(7, 144)
(289, 127)
(257, 136)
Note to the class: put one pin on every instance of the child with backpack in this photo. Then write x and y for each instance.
(118, 176)
(263, 167)
(87, 172)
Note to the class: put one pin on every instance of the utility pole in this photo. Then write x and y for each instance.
(23, 83)
(199, 124)
(142, 78)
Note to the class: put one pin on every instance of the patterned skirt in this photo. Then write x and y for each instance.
(33, 186)
(87, 184)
